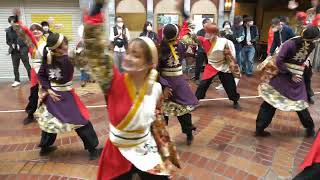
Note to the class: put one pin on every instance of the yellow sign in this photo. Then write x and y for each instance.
(59, 23)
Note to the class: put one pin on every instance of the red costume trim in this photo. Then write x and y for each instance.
(94, 20)
(314, 154)
(33, 77)
(184, 30)
(28, 33)
(209, 71)
(83, 109)
(112, 164)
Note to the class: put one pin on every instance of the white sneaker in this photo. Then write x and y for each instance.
(220, 87)
(15, 84)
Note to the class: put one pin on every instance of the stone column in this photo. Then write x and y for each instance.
(150, 11)
(221, 13)
(231, 17)
(187, 6)
(111, 10)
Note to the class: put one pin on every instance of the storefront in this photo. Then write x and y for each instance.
(65, 17)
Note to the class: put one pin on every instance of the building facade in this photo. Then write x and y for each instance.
(66, 17)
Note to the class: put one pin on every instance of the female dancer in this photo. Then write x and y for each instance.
(134, 144)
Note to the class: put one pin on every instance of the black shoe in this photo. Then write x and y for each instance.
(94, 154)
(236, 105)
(28, 120)
(310, 133)
(47, 150)
(262, 134)
(310, 100)
(189, 139)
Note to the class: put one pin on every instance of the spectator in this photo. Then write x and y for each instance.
(46, 28)
(238, 37)
(18, 50)
(226, 30)
(119, 36)
(147, 31)
(282, 33)
(202, 31)
(249, 42)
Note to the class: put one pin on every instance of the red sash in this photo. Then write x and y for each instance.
(314, 154)
(112, 164)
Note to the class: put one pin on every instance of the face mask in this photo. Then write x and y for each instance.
(227, 27)
(250, 24)
(120, 24)
(45, 28)
(133, 68)
(275, 29)
(149, 28)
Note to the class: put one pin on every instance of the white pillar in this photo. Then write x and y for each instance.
(150, 11)
(231, 18)
(221, 13)
(112, 15)
(187, 6)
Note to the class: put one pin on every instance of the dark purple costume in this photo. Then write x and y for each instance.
(282, 82)
(181, 91)
(68, 109)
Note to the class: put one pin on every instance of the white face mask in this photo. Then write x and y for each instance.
(149, 28)
(132, 67)
(241, 23)
(227, 26)
(120, 24)
(45, 28)
(275, 29)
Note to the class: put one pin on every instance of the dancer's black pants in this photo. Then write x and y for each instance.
(307, 80)
(228, 84)
(143, 175)
(309, 173)
(201, 57)
(86, 133)
(267, 112)
(33, 101)
(185, 123)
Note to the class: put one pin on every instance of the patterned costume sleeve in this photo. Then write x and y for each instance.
(100, 65)
(25, 34)
(165, 146)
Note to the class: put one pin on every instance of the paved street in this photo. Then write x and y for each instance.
(224, 146)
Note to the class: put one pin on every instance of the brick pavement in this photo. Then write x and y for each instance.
(224, 146)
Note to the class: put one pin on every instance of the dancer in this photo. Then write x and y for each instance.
(221, 57)
(180, 100)
(61, 109)
(286, 90)
(36, 58)
(134, 144)
(36, 41)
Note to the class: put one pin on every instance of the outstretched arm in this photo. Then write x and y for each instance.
(23, 31)
(99, 64)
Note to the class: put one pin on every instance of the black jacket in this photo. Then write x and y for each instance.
(13, 41)
(254, 35)
(201, 32)
(152, 35)
(286, 34)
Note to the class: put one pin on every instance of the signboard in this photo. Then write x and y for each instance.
(168, 19)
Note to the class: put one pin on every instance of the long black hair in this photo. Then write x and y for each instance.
(148, 23)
